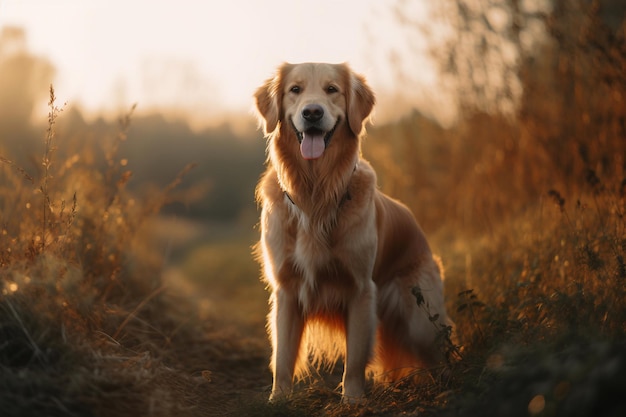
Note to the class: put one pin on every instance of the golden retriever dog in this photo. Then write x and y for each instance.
(343, 261)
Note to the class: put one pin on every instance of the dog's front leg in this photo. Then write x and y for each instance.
(287, 327)
(360, 333)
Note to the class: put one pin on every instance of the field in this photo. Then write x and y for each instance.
(113, 303)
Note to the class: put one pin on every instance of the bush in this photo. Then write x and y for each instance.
(85, 322)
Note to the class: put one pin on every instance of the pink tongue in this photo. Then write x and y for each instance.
(312, 146)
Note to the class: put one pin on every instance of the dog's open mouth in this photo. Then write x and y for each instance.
(313, 141)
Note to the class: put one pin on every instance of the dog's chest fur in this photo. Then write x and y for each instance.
(329, 268)
(322, 276)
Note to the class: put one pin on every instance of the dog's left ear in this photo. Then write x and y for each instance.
(360, 103)
(267, 105)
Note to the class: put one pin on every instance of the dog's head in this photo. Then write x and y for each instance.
(315, 100)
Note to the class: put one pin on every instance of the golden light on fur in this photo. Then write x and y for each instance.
(339, 256)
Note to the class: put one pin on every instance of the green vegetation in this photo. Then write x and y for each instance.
(109, 309)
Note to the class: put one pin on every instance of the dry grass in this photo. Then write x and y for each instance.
(86, 325)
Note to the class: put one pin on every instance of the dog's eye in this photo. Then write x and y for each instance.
(332, 89)
(295, 89)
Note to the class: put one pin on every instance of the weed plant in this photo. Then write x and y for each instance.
(83, 328)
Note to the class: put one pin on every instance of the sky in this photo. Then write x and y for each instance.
(207, 57)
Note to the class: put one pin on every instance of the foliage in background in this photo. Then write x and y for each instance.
(217, 189)
(566, 62)
(86, 326)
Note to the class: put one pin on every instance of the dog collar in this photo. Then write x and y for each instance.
(346, 197)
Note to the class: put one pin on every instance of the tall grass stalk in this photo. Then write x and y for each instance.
(49, 148)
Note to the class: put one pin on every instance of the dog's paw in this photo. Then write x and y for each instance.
(278, 396)
(353, 400)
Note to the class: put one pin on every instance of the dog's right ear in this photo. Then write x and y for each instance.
(361, 101)
(268, 100)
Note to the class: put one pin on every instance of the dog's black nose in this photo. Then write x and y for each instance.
(312, 112)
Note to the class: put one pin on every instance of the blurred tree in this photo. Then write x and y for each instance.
(574, 103)
(483, 46)
(24, 83)
(479, 45)
(541, 88)
(227, 165)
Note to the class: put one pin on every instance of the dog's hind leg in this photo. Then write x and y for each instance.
(428, 318)
(411, 311)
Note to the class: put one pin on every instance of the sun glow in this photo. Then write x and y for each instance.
(203, 58)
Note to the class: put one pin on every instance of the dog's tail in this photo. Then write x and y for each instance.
(439, 264)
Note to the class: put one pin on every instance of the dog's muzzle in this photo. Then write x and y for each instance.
(313, 139)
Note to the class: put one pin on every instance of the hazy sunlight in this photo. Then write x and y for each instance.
(204, 58)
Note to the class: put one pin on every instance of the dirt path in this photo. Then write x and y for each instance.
(230, 361)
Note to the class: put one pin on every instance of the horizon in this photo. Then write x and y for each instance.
(104, 64)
